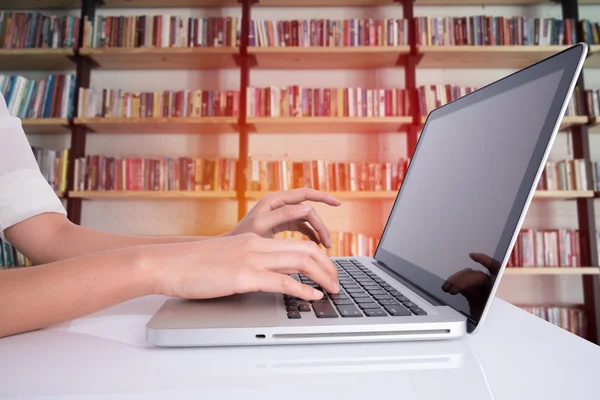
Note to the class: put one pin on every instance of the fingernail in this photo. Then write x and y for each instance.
(336, 286)
(304, 208)
(318, 294)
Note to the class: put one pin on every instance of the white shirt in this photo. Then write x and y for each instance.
(24, 192)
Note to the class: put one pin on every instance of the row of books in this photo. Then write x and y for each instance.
(161, 31)
(329, 33)
(28, 30)
(434, 96)
(110, 103)
(546, 248)
(564, 175)
(53, 165)
(10, 257)
(101, 173)
(325, 175)
(47, 98)
(569, 318)
(592, 103)
(343, 244)
(591, 31)
(296, 101)
(493, 31)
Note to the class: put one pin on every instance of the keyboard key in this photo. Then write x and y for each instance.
(409, 304)
(377, 292)
(387, 286)
(324, 310)
(354, 290)
(293, 314)
(303, 307)
(375, 312)
(383, 297)
(291, 308)
(389, 302)
(342, 302)
(360, 296)
(397, 311)
(340, 295)
(364, 300)
(369, 306)
(418, 311)
(372, 286)
(349, 311)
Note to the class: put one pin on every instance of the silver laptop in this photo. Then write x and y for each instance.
(446, 242)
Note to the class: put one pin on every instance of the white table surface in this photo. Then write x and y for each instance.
(105, 356)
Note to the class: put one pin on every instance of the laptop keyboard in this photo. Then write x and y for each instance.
(362, 293)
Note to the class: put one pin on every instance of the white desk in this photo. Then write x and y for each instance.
(105, 356)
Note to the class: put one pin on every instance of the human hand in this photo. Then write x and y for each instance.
(284, 211)
(474, 285)
(240, 264)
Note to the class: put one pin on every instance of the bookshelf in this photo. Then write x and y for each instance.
(45, 125)
(154, 195)
(327, 57)
(567, 123)
(244, 58)
(31, 59)
(159, 125)
(170, 58)
(484, 56)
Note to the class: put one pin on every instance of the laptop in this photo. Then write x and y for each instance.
(445, 244)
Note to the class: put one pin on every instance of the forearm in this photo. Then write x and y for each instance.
(36, 297)
(51, 237)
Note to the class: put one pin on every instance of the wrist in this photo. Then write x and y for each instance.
(146, 268)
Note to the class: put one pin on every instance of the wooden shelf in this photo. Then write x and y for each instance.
(391, 195)
(327, 57)
(563, 194)
(593, 60)
(484, 56)
(45, 125)
(36, 59)
(553, 271)
(491, 2)
(159, 125)
(328, 124)
(39, 4)
(163, 58)
(60, 194)
(130, 195)
(381, 195)
(566, 123)
(169, 4)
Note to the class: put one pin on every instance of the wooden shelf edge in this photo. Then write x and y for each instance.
(371, 195)
(155, 120)
(123, 195)
(328, 50)
(37, 52)
(487, 49)
(552, 271)
(127, 51)
(563, 194)
(328, 120)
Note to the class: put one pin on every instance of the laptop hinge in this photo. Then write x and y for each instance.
(408, 284)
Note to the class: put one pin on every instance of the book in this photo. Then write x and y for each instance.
(102, 173)
(34, 30)
(328, 33)
(10, 257)
(555, 248)
(483, 30)
(52, 97)
(591, 31)
(297, 101)
(564, 175)
(343, 244)
(53, 165)
(277, 175)
(569, 318)
(161, 31)
(117, 103)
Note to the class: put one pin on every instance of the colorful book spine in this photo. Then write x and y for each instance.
(34, 30)
(569, 318)
(554, 248)
(565, 175)
(10, 257)
(101, 173)
(53, 165)
(343, 244)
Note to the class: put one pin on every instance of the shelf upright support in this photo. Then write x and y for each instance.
(78, 133)
(244, 65)
(585, 207)
(410, 77)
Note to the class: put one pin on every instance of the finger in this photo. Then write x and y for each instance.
(492, 265)
(318, 225)
(453, 283)
(299, 262)
(265, 281)
(282, 218)
(306, 230)
(297, 196)
(279, 245)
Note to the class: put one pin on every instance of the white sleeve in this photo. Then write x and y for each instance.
(24, 192)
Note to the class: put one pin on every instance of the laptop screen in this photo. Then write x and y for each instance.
(468, 183)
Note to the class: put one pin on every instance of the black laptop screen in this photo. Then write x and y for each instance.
(466, 187)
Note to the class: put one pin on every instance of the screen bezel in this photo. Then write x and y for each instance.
(570, 61)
